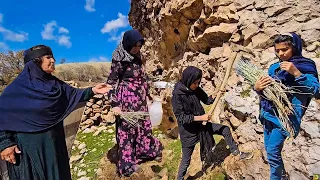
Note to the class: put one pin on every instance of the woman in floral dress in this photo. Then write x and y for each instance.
(130, 92)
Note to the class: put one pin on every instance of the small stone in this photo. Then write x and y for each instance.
(84, 150)
(94, 128)
(82, 161)
(160, 136)
(94, 150)
(84, 178)
(311, 48)
(87, 130)
(75, 158)
(89, 104)
(99, 102)
(110, 131)
(81, 146)
(75, 169)
(81, 173)
(76, 142)
(95, 106)
(96, 133)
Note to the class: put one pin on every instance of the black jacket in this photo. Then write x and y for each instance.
(186, 104)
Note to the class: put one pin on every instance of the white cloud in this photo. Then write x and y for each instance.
(3, 46)
(63, 30)
(1, 17)
(13, 36)
(99, 59)
(115, 24)
(64, 40)
(90, 6)
(10, 35)
(48, 33)
(116, 38)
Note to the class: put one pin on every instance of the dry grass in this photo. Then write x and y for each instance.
(275, 92)
(90, 72)
(133, 117)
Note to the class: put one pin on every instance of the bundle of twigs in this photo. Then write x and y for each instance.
(133, 117)
(275, 92)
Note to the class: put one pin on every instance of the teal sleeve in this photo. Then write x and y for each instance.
(87, 94)
(6, 140)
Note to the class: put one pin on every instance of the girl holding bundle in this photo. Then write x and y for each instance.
(295, 71)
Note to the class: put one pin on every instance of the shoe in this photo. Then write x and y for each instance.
(158, 158)
(205, 166)
(236, 152)
(245, 155)
(285, 176)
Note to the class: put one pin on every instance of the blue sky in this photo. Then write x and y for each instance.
(78, 30)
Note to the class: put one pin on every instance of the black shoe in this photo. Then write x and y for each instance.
(285, 176)
(236, 152)
(205, 166)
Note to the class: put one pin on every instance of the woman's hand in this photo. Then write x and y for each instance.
(206, 117)
(101, 88)
(262, 83)
(116, 110)
(9, 154)
(290, 68)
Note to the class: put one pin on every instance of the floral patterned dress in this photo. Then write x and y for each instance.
(129, 80)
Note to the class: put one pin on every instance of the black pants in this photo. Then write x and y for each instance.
(187, 151)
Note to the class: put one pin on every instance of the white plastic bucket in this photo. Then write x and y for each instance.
(155, 112)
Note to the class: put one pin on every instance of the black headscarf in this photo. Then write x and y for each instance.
(36, 100)
(122, 52)
(130, 39)
(189, 76)
(36, 52)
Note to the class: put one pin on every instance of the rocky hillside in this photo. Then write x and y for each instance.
(204, 33)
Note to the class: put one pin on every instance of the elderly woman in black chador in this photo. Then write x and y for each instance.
(32, 109)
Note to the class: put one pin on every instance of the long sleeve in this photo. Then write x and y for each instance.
(179, 111)
(5, 140)
(204, 97)
(87, 94)
(115, 72)
(309, 82)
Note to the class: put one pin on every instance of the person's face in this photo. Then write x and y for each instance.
(47, 64)
(195, 85)
(284, 51)
(136, 49)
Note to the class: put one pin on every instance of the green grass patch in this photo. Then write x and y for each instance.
(96, 147)
(173, 159)
(217, 175)
(245, 93)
